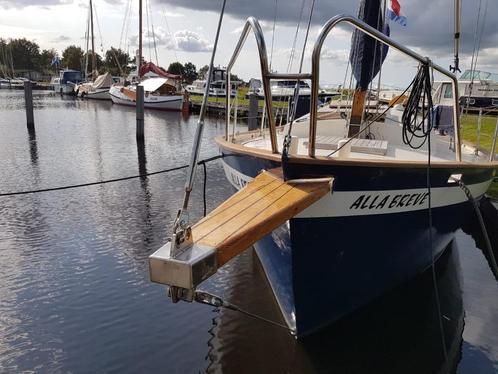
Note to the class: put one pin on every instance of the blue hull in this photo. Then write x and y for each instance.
(322, 268)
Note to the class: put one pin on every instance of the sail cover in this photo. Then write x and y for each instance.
(149, 66)
(367, 54)
(103, 81)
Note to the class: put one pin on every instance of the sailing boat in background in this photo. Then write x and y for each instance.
(161, 90)
(98, 88)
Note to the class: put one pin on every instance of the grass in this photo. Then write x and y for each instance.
(469, 130)
(469, 134)
(241, 96)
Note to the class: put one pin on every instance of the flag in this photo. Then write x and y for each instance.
(394, 13)
(55, 61)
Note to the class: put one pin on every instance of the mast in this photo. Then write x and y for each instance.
(456, 67)
(366, 59)
(87, 40)
(139, 65)
(94, 60)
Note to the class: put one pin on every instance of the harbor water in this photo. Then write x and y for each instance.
(75, 294)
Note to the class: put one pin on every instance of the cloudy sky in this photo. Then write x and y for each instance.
(185, 31)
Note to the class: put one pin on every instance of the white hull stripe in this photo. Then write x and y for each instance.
(363, 203)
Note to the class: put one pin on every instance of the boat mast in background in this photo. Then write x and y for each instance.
(139, 64)
(456, 67)
(94, 60)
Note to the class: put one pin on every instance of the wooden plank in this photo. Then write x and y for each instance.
(263, 205)
(357, 112)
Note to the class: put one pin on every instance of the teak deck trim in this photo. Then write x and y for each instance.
(321, 160)
(256, 210)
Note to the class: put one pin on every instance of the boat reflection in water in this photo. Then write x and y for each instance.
(397, 333)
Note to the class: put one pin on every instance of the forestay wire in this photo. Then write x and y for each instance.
(296, 88)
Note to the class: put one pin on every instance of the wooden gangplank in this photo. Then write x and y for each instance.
(256, 210)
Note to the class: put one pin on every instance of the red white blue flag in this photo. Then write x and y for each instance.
(394, 13)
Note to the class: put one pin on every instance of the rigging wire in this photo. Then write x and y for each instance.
(124, 23)
(172, 37)
(153, 33)
(148, 28)
(273, 32)
(98, 28)
(293, 49)
(298, 82)
(473, 53)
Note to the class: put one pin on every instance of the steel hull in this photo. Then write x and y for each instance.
(370, 235)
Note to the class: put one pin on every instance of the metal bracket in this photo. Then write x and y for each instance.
(186, 270)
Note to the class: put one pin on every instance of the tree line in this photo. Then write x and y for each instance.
(21, 55)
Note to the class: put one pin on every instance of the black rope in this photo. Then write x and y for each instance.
(367, 127)
(202, 162)
(421, 94)
(433, 260)
(204, 188)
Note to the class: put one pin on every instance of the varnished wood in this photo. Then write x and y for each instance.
(260, 207)
(130, 93)
(357, 112)
(323, 160)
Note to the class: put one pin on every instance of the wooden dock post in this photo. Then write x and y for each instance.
(28, 99)
(253, 123)
(140, 112)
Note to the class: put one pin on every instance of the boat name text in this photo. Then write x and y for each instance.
(389, 201)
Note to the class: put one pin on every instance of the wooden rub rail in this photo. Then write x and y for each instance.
(257, 209)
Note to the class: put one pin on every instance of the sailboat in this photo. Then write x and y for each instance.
(336, 218)
(98, 88)
(161, 91)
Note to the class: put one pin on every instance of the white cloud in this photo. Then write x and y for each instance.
(190, 41)
(182, 40)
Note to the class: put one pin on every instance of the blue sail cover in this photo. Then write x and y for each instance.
(367, 54)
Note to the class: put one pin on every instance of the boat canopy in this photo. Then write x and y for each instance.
(479, 75)
(149, 66)
(73, 76)
(153, 84)
(104, 80)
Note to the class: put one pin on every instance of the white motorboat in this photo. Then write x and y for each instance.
(66, 81)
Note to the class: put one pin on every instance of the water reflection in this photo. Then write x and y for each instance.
(74, 289)
(144, 183)
(33, 147)
(398, 333)
(489, 213)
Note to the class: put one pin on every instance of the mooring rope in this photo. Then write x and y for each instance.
(201, 162)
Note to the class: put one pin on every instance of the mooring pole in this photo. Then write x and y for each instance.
(28, 99)
(140, 112)
(253, 123)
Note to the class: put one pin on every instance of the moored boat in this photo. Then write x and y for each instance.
(394, 205)
(160, 93)
(66, 81)
(98, 89)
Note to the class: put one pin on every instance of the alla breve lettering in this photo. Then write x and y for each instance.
(374, 202)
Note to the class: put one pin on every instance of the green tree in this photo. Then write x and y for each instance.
(72, 58)
(176, 68)
(25, 54)
(202, 74)
(45, 62)
(189, 72)
(98, 61)
(112, 57)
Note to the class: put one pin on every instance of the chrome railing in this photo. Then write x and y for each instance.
(376, 34)
(253, 24)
